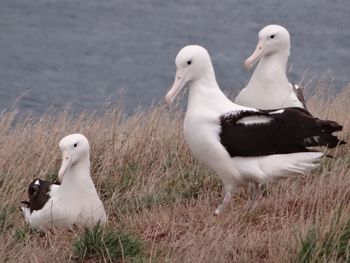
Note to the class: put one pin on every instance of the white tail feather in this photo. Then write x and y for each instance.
(266, 168)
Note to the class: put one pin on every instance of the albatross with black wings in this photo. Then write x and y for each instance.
(240, 144)
(266, 132)
(75, 201)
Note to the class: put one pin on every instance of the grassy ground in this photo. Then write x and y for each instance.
(161, 202)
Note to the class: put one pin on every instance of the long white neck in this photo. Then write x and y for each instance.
(205, 95)
(269, 71)
(78, 176)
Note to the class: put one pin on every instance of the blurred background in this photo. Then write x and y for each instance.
(86, 52)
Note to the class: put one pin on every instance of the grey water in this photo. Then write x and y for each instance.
(85, 52)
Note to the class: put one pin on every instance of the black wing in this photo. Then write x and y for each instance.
(326, 139)
(279, 132)
(38, 192)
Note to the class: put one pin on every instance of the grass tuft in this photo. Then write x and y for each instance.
(308, 246)
(21, 233)
(98, 243)
(6, 219)
(328, 246)
(52, 177)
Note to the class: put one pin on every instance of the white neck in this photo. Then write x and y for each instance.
(269, 71)
(205, 95)
(77, 176)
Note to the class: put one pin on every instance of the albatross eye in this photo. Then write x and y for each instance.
(75, 144)
(189, 62)
(272, 36)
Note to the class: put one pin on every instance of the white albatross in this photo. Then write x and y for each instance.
(242, 144)
(75, 201)
(269, 88)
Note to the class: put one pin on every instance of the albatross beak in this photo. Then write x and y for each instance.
(66, 162)
(179, 83)
(255, 56)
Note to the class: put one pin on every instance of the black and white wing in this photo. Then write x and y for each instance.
(39, 193)
(267, 132)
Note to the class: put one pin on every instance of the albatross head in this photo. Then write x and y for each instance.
(74, 148)
(192, 63)
(273, 39)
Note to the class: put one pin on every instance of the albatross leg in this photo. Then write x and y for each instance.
(226, 200)
(257, 191)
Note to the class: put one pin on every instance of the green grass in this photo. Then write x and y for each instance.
(6, 218)
(184, 186)
(307, 247)
(333, 245)
(52, 177)
(98, 243)
(21, 233)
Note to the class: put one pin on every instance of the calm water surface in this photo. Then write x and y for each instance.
(84, 52)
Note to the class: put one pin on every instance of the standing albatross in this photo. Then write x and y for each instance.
(242, 144)
(269, 88)
(75, 201)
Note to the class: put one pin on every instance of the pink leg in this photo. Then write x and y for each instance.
(255, 196)
(226, 201)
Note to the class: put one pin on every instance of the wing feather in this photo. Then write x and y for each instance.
(272, 132)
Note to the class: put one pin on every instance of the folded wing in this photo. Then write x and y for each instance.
(267, 132)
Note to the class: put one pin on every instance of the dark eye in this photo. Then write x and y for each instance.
(272, 36)
(75, 144)
(189, 62)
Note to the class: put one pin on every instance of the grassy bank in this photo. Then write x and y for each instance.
(161, 202)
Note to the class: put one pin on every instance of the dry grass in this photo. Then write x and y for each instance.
(153, 189)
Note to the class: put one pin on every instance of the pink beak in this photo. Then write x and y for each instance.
(179, 83)
(255, 56)
(66, 162)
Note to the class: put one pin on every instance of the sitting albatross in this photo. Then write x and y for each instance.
(269, 88)
(239, 143)
(75, 201)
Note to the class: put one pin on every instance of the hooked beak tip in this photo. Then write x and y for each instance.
(168, 100)
(178, 84)
(247, 66)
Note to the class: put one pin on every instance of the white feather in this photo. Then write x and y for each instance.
(277, 111)
(254, 120)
